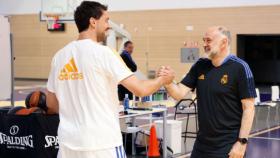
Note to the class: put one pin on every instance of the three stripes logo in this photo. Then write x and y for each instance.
(70, 72)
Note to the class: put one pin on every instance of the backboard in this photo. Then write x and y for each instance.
(53, 11)
(61, 7)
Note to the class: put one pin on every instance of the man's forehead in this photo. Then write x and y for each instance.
(105, 14)
(211, 32)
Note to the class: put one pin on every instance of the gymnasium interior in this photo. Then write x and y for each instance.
(163, 33)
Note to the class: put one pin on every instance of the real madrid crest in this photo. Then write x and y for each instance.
(201, 77)
(224, 79)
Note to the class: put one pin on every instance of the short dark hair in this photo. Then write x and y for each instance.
(127, 43)
(85, 11)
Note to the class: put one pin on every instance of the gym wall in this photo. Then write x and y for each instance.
(5, 59)
(158, 33)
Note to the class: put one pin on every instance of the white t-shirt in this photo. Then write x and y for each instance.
(84, 77)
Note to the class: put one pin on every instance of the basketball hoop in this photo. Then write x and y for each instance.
(53, 21)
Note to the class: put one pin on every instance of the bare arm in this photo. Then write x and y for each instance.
(238, 149)
(247, 117)
(177, 91)
(52, 103)
(145, 87)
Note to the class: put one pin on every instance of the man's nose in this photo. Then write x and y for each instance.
(109, 28)
(204, 44)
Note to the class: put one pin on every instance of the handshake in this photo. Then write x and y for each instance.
(165, 74)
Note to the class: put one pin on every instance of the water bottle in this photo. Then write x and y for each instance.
(161, 93)
(126, 102)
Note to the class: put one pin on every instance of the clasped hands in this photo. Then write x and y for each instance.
(165, 74)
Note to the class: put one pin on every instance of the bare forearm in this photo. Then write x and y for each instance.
(176, 91)
(149, 86)
(247, 121)
(145, 87)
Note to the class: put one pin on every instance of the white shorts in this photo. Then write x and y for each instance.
(117, 152)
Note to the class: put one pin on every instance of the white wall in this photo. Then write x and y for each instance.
(34, 6)
(5, 59)
(19, 6)
(175, 4)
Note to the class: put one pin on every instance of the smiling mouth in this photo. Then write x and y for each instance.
(207, 49)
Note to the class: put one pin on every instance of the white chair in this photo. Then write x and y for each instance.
(274, 93)
(274, 97)
(127, 128)
(258, 99)
(130, 130)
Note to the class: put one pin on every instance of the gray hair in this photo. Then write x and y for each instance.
(223, 30)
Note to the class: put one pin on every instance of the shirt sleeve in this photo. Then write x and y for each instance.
(51, 79)
(246, 85)
(190, 80)
(116, 67)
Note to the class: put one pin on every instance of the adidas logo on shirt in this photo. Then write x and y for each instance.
(70, 72)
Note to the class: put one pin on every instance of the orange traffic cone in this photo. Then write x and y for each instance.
(153, 144)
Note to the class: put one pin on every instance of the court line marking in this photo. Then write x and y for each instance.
(30, 87)
(265, 131)
(252, 136)
(184, 156)
(267, 138)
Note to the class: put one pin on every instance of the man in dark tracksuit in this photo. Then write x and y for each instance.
(126, 56)
(225, 97)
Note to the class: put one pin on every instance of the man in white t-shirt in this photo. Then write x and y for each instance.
(82, 88)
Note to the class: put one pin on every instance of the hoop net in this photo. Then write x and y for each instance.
(52, 20)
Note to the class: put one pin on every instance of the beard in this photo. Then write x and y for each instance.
(210, 53)
(101, 37)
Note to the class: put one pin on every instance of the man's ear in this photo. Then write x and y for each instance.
(92, 22)
(224, 42)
